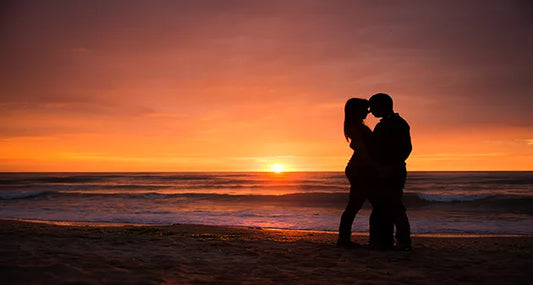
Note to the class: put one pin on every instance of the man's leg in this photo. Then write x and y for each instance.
(401, 221)
(381, 230)
(398, 210)
(381, 225)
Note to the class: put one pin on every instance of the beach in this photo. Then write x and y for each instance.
(96, 253)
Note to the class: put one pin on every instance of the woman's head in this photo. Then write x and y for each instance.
(355, 111)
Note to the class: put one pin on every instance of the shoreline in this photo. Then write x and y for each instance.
(359, 234)
(87, 253)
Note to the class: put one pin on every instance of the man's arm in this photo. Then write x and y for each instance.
(405, 147)
(401, 141)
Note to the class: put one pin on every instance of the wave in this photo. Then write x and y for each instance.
(24, 195)
(433, 197)
(410, 198)
(55, 180)
(66, 178)
(442, 204)
(218, 178)
(66, 184)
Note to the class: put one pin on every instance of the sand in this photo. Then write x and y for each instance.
(39, 253)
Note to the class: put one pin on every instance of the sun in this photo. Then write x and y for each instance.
(277, 168)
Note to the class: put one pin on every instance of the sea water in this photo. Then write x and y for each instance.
(437, 202)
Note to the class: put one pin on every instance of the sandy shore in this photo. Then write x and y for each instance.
(38, 253)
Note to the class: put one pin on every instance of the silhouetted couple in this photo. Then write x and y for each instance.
(376, 171)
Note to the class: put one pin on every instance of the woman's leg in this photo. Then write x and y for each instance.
(357, 198)
(354, 205)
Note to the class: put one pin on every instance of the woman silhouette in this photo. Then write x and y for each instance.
(361, 170)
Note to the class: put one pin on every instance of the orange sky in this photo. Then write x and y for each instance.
(243, 85)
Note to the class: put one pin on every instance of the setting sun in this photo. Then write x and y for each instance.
(277, 168)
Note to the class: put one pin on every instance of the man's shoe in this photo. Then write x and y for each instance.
(380, 247)
(347, 244)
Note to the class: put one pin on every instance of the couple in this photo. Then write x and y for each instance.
(377, 172)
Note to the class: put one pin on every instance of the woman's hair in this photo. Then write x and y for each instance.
(353, 114)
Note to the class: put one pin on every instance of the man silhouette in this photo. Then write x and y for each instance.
(392, 141)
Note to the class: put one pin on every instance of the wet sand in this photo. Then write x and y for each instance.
(88, 253)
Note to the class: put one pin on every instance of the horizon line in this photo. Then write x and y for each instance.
(244, 171)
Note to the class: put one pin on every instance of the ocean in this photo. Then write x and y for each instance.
(437, 202)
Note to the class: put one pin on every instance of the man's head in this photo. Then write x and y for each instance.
(380, 105)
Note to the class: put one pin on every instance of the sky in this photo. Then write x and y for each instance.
(256, 85)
